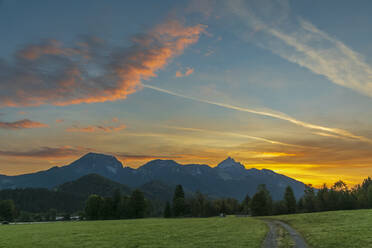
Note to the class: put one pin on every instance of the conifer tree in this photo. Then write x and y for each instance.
(167, 210)
(7, 210)
(289, 200)
(137, 204)
(261, 203)
(179, 201)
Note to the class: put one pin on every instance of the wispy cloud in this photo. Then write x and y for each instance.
(96, 128)
(50, 73)
(46, 152)
(21, 124)
(130, 157)
(188, 72)
(232, 134)
(48, 47)
(269, 113)
(300, 42)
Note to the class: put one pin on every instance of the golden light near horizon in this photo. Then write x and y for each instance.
(266, 83)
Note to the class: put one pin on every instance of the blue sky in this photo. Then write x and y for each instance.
(283, 85)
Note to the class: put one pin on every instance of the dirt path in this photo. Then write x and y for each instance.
(271, 240)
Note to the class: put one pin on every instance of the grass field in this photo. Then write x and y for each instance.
(333, 229)
(189, 232)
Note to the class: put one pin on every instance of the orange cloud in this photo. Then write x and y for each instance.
(59, 120)
(92, 129)
(22, 124)
(188, 72)
(179, 74)
(71, 82)
(32, 52)
(54, 47)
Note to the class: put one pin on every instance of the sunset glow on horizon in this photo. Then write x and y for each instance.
(278, 85)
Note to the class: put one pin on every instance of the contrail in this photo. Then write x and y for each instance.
(277, 115)
(239, 135)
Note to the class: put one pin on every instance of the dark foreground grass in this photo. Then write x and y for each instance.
(333, 229)
(188, 232)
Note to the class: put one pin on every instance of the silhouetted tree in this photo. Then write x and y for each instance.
(210, 209)
(179, 201)
(25, 217)
(167, 210)
(196, 205)
(369, 196)
(137, 204)
(116, 202)
(261, 203)
(300, 205)
(108, 209)
(245, 206)
(124, 208)
(233, 206)
(7, 210)
(93, 209)
(289, 200)
(323, 198)
(222, 206)
(309, 199)
(51, 214)
(279, 207)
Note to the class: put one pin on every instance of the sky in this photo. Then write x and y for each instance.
(281, 85)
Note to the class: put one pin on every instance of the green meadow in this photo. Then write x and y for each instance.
(325, 229)
(333, 229)
(187, 232)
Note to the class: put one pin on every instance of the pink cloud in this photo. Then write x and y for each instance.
(22, 124)
(188, 72)
(27, 83)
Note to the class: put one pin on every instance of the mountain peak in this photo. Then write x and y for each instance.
(97, 160)
(95, 155)
(230, 163)
(160, 163)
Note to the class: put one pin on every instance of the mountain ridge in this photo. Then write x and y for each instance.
(228, 179)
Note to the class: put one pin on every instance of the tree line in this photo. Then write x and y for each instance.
(9, 212)
(118, 206)
(338, 197)
(136, 206)
(199, 205)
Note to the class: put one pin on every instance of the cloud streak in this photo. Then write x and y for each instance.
(90, 71)
(269, 113)
(46, 152)
(21, 124)
(96, 128)
(300, 42)
(130, 157)
(238, 135)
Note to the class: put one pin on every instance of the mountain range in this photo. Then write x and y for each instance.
(228, 179)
